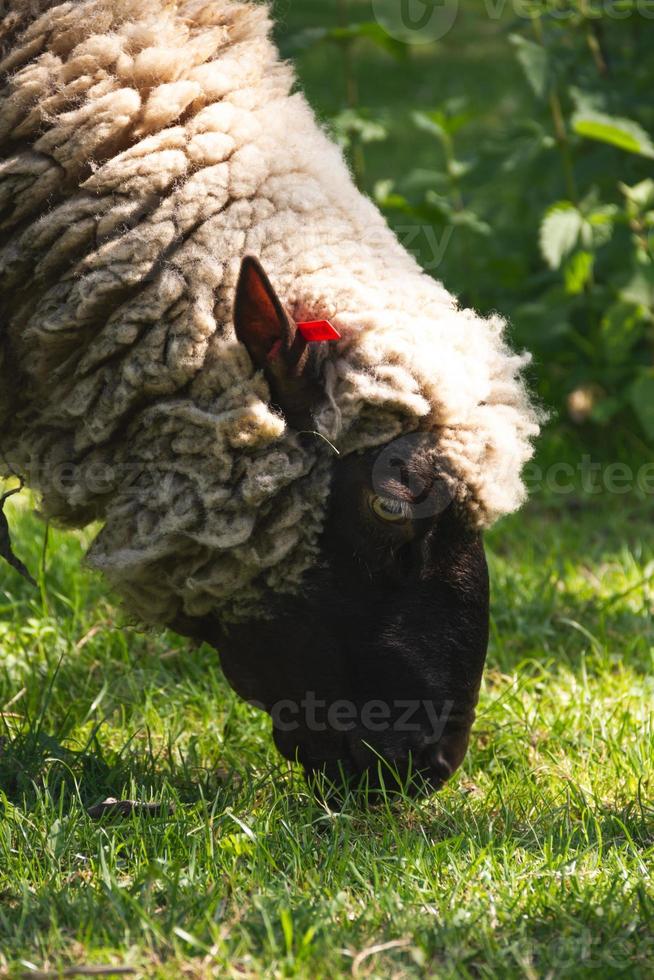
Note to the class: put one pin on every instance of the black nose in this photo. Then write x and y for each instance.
(371, 769)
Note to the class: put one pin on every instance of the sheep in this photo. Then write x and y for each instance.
(172, 217)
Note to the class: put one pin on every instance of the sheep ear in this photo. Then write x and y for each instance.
(275, 344)
(261, 322)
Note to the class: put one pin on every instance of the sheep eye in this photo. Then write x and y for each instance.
(389, 510)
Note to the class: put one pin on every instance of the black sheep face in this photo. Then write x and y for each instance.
(372, 674)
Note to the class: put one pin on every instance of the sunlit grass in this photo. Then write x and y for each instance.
(535, 862)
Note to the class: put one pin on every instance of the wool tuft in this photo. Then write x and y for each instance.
(146, 146)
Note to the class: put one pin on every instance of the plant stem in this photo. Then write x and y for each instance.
(595, 44)
(43, 570)
(352, 93)
(595, 40)
(563, 141)
(560, 128)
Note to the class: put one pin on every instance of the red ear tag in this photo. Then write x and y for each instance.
(318, 330)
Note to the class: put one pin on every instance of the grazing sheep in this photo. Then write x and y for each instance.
(314, 509)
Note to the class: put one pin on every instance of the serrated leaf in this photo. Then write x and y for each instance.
(534, 61)
(559, 232)
(622, 133)
(641, 398)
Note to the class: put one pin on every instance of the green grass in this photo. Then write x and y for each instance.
(535, 862)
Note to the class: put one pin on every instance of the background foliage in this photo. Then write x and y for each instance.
(513, 157)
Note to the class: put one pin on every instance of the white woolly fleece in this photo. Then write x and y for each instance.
(146, 146)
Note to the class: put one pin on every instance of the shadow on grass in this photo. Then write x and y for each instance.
(34, 763)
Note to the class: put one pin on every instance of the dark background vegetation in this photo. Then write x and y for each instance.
(513, 158)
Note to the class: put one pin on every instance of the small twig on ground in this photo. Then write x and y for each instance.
(373, 950)
(12, 701)
(125, 808)
(79, 971)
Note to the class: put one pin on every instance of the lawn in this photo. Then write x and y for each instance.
(535, 862)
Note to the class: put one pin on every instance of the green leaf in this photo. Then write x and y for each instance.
(468, 219)
(371, 31)
(559, 232)
(599, 224)
(623, 133)
(423, 180)
(286, 920)
(578, 271)
(439, 204)
(639, 290)
(587, 102)
(530, 142)
(641, 194)
(639, 198)
(386, 196)
(383, 190)
(641, 398)
(461, 168)
(433, 123)
(443, 124)
(534, 61)
(357, 122)
(367, 30)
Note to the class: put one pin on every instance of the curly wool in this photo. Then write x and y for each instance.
(146, 146)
